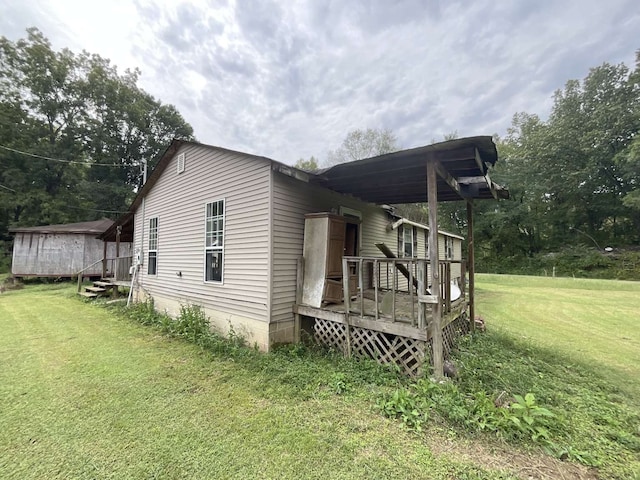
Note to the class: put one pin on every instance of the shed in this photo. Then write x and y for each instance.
(62, 250)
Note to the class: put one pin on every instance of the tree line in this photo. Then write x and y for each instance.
(574, 178)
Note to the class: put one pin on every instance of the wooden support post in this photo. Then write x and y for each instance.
(422, 307)
(376, 280)
(299, 286)
(471, 265)
(436, 331)
(345, 286)
(394, 287)
(118, 233)
(447, 286)
(104, 259)
(347, 305)
(361, 286)
(410, 284)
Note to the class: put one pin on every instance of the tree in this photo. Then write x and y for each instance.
(576, 172)
(359, 144)
(310, 165)
(77, 108)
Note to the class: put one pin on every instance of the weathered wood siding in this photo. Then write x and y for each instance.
(179, 200)
(58, 254)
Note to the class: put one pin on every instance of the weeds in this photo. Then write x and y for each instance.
(563, 407)
(523, 419)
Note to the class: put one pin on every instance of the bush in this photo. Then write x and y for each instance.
(577, 261)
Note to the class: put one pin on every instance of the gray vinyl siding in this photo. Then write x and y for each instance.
(292, 199)
(178, 200)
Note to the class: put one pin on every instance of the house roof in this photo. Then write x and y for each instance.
(406, 221)
(399, 177)
(90, 228)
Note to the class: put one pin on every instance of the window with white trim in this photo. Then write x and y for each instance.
(214, 241)
(408, 241)
(448, 245)
(152, 253)
(426, 244)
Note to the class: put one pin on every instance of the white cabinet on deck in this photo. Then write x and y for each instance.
(324, 243)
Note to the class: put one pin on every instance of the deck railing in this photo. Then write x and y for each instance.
(408, 276)
(117, 268)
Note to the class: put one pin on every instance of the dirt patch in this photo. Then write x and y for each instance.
(500, 456)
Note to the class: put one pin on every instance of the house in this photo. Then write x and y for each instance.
(63, 250)
(226, 230)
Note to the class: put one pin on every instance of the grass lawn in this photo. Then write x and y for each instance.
(84, 394)
(596, 322)
(87, 393)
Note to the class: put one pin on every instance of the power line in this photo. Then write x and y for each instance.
(94, 209)
(63, 161)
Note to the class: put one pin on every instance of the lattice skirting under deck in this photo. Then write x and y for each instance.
(408, 353)
(450, 334)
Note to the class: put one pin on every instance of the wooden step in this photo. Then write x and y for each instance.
(95, 289)
(88, 294)
(103, 283)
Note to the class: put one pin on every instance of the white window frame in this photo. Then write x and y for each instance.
(152, 245)
(448, 247)
(426, 244)
(216, 248)
(414, 239)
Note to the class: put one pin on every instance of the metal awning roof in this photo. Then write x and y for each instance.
(401, 177)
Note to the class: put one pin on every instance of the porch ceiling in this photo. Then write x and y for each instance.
(401, 177)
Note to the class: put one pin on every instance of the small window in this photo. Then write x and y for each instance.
(448, 244)
(409, 241)
(214, 241)
(152, 264)
(426, 244)
(180, 163)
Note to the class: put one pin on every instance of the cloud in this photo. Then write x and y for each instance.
(291, 79)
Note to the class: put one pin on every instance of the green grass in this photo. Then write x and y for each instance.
(85, 393)
(596, 322)
(576, 345)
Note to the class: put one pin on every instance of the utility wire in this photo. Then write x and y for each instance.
(94, 209)
(63, 161)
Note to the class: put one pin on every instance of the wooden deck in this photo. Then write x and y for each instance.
(362, 312)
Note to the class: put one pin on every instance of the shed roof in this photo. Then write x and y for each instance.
(90, 228)
(401, 177)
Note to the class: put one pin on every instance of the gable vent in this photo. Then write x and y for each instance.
(180, 166)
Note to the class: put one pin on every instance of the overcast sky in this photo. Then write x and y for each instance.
(288, 79)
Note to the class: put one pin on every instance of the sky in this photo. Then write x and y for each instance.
(289, 79)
